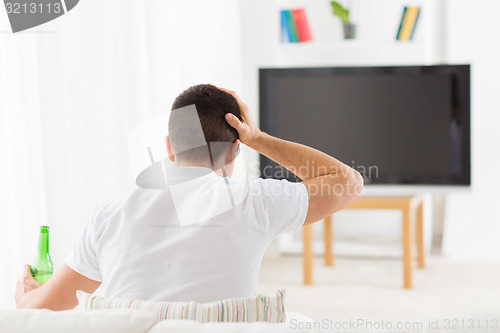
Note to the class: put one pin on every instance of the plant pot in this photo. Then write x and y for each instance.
(349, 31)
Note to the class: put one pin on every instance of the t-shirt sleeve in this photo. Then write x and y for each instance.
(83, 257)
(283, 205)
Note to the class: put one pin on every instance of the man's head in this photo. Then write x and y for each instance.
(212, 104)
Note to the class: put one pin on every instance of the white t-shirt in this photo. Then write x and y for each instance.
(139, 248)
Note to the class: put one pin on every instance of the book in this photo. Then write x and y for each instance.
(401, 23)
(301, 25)
(415, 24)
(285, 32)
(408, 23)
(290, 25)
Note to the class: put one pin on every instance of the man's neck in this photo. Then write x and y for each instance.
(218, 172)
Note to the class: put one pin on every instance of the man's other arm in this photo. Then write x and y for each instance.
(58, 293)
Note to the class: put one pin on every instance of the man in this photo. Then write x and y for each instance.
(135, 244)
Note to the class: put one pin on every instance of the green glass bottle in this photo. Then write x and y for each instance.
(42, 267)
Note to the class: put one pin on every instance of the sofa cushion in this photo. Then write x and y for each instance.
(243, 309)
(47, 321)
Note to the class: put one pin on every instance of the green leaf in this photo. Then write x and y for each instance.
(340, 11)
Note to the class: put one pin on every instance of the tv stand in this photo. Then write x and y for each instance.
(411, 208)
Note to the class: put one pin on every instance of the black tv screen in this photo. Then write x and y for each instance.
(396, 125)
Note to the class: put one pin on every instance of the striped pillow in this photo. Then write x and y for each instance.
(245, 309)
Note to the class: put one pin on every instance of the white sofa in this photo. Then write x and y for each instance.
(119, 321)
(137, 321)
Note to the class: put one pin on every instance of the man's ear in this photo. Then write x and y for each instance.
(231, 154)
(170, 150)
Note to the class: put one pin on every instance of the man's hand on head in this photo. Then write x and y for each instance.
(248, 131)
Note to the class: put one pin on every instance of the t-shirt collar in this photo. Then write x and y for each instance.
(179, 174)
(161, 174)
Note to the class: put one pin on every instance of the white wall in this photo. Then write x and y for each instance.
(472, 228)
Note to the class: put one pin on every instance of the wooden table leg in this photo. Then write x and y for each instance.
(328, 240)
(406, 239)
(420, 236)
(307, 254)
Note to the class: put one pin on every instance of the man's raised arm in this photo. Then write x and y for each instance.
(331, 184)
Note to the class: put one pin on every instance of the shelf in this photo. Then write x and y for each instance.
(348, 44)
(350, 52)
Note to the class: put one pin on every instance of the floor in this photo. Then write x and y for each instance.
(371, 288)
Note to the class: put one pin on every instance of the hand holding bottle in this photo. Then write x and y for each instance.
(36, 275)
(26, 284)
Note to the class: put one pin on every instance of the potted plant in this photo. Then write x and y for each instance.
(343, 14)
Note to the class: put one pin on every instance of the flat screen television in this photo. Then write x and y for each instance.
(396, 125)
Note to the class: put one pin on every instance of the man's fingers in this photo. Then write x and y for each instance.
(233, 121)
(27, 272)
(235, 95)
(230, 92)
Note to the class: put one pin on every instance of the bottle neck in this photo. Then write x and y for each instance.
(43, 242)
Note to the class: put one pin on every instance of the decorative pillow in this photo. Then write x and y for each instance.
(244, 309)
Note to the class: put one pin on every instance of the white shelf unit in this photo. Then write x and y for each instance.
(375, 44)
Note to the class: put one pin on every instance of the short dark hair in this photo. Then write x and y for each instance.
(212, 104)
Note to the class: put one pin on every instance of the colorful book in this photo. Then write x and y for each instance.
(401, 23)
(301, 25)
(415, 24)
(286, 34)
(408, 23)
(292, 32)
